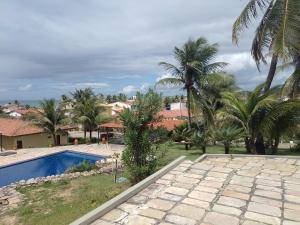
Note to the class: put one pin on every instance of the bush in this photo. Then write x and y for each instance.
(84, 166)
(139, 154)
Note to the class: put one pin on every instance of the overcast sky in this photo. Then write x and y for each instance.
(51, 47)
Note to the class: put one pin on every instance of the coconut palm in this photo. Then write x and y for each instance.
(51, 117)
(194, 61)
(262, 114)
(227, 134)
(247, 114)
(277, 34)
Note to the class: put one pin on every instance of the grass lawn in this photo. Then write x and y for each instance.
(176, 150)
(63, 202)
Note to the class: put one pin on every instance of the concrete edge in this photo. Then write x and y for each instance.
(253, 156)
(124, 196)
(201, 158)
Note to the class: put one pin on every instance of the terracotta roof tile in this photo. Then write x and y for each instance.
(17, 127)
(173, 113)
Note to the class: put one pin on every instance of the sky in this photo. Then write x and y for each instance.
(52, 47)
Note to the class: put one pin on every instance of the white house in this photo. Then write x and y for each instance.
(177, 105)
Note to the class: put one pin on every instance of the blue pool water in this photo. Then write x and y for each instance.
(44, 166)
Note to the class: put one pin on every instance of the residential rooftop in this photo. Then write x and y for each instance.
(219, 190)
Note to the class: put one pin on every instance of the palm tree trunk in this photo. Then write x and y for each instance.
(188, 93)
(275, 146)
(226, 147)
(204, 149)
(54, 139)
(271, 73)
(259, 145)
(84, 133)
(91, 134)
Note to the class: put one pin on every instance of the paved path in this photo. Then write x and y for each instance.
(218, 191)
(24, 154)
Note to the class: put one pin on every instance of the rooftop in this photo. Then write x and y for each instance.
(219, 190)
(174, 113)
(17, 127)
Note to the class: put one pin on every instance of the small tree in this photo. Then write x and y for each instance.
(227, 134)
(139, 154)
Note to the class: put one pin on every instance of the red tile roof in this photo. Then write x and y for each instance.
(174, 113)
(111, 125)
(168, 124)
(17, 127)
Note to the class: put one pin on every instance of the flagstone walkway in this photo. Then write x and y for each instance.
(217, 191)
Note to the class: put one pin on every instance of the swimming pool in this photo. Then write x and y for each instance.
(52, 164)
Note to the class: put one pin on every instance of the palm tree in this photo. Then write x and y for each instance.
(194, 66)
(277, 34)
(261, 114)
(227, 134)
(247, 113)
(87, 112)
(50, 118)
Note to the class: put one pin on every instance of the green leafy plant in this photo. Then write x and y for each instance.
(139, 154)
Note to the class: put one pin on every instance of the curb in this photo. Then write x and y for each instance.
(124, 196)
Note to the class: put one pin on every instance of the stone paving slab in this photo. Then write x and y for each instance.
(218, 191)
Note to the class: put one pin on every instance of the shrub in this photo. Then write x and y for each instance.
(139, 154)
(84, 166)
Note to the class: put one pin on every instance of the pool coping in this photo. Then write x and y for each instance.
(124, 196)
(54, 153)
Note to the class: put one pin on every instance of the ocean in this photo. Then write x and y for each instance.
(32, 103)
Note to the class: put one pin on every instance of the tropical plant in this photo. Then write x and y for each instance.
(194, 66)
(247, 113)
(277, 34)
(139, 154)
(227, 134)
(87, 110)
(50, 118)
(262, 113)
(184, 135)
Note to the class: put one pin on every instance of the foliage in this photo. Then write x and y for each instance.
(50, 118)
(227, 134)
(194, 67)
(85, 165)
(139, 154)
(87, 110)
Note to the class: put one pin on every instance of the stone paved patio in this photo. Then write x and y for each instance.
(25, 154)
(217, 191)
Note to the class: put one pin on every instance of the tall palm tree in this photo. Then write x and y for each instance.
(50, 118)
(277, 34)
(194, 65)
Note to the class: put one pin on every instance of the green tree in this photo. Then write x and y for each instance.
(194, 66)
(227, 134)
(51, 118)
(86, 109)
(277, 33)
(139, 154)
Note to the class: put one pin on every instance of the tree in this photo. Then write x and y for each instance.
(194, 66)
(50, 118)
(262, 114)
(86, 109)
(277, 34)
(139, 154)
(247, 114)
(227, 134)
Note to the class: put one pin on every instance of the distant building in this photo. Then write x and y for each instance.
(177, 105)
(17, 134)
(117, 107)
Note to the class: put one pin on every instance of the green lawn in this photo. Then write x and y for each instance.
(176, 150)
(62, 202)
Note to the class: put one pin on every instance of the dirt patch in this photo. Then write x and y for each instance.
(9, 220)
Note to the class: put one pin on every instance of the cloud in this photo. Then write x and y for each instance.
(163, 76)
(129, 89)
(26, 87)
(93, 43)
